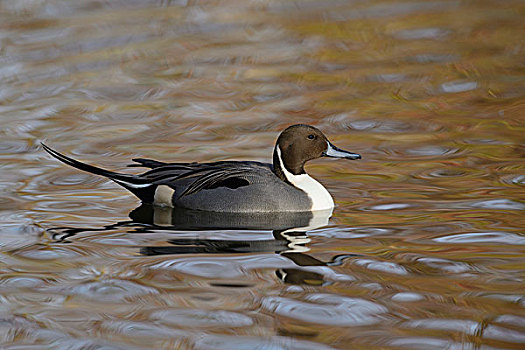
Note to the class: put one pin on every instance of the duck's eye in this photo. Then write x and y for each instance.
(311, 137)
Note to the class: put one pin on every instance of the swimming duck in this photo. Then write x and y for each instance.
(234, 186)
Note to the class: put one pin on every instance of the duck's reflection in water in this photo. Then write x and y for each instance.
(289, 230)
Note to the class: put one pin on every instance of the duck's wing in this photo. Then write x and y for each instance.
(190, 178)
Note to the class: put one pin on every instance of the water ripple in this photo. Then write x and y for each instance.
(224, 267)
(514, 179)
(445, 173)
(17, 236)
(201, 318)
(10, 147)
(141, 329)
(512, 320)
(431, 150)
(444, 265)
(110, 290)
(352, 232)
(382, 266)
(203, 267)
(464, 326)
(431, 343)
(391, 206)
(407, 297)
(502, 204)
(494, 237)
(380, 126)
(468, 327)
(458, 86)
(504, 334)
(487, 204)
(38, 252)
(326, 309)
(20, 282)
(518, 299)
(422, 33)
(236, 342)
(426, 58)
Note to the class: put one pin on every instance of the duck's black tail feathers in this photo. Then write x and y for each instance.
(147, 163)
(140, 187)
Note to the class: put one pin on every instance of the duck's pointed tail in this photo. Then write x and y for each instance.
(140, 187)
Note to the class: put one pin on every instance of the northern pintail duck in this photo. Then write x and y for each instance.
(234, 186)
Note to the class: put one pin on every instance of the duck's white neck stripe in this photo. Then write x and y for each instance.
(321, 199)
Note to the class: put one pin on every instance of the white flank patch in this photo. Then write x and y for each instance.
(163, 196)
(321, 199)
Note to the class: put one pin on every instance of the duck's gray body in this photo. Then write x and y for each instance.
(235, 187)
(226, 187)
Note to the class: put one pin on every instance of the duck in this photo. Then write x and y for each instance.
(234, 186)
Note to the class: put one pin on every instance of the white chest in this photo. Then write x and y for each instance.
(320, 197)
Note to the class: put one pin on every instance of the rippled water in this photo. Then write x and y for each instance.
(425, 249)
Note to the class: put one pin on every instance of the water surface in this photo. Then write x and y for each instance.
(425, 249)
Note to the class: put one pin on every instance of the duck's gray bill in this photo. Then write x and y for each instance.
(335, 152)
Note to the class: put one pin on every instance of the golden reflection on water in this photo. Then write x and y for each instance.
(424, 250)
